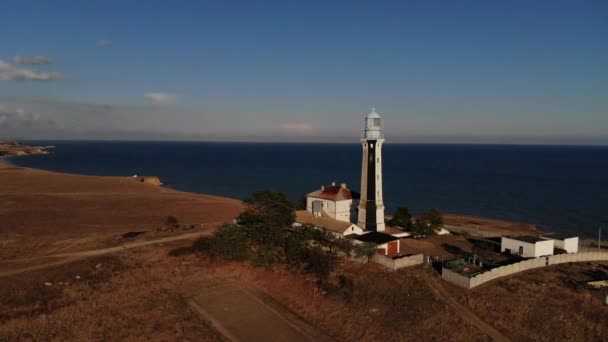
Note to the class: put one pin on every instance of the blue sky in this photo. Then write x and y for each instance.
(437, 71)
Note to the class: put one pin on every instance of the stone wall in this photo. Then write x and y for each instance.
(525, 265)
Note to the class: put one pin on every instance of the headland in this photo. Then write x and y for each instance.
(14, 148)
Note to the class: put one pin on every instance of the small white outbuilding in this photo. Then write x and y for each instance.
(565, 242)
(527, 246)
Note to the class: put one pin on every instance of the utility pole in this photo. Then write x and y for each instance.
(599, 239)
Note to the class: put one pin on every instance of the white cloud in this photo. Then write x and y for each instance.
(161, 98)
(31, 60)
(9, 72)
(104, 42)
(300, 128)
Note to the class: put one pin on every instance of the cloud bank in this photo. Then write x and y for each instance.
(19, 118)
(161, 98)
(300, 128)
(104, 42)
(40, 60)
(9, 72)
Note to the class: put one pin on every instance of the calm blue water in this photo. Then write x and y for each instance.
(561, 188)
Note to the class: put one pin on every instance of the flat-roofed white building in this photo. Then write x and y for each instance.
(565, 242)
(527, 246)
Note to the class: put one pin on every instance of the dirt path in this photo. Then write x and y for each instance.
(65, 258)
(242, 313)
(462, 311)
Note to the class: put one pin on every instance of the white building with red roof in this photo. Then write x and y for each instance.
(333, 201)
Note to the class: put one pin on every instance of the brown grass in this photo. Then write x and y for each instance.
(445, 246)
(502, 227)
(46, 212)
(116, 298)
(139, 295)
(545, 305)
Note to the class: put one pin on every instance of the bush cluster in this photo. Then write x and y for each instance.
(264, 233)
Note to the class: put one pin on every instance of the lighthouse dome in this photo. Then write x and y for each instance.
(373, 114)
(373, 126)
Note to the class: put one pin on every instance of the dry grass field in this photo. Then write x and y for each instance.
(143, 293)
(44, 212)
(105, 298)
(549, 304)
(491, 225)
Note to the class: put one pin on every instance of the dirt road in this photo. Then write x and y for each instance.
(65, 258)
(462, 311)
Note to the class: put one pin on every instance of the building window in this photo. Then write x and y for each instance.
(521, 250)
(371, 145)
(378, 159)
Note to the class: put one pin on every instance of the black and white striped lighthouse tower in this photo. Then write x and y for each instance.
(371, 206)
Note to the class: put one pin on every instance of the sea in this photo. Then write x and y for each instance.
(562, 189)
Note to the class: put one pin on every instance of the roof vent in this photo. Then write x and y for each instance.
(343, 185)
(322, 187)
(333, 183)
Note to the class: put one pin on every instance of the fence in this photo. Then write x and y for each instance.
(395, 264)
(525, 265)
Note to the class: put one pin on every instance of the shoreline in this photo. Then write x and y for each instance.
(465, 223)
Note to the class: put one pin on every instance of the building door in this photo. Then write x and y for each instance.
(392, 248)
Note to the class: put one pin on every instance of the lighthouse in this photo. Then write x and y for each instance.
(371, 206)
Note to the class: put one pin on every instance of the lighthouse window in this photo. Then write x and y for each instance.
(378, 159)
(376, 122)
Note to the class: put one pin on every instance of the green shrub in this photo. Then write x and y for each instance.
(229, 242)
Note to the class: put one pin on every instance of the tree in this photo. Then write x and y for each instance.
(296, 244)
(345, 246)
(171, 223)
(301, 203)
(422, 228)
(433, 216)
(267, 219)
(229, 242)
(366, 250)
(321, 263)
(401, 218)
(268, 207)
(325, 238)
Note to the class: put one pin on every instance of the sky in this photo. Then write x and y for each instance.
(436, 71)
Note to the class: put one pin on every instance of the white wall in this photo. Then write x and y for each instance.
(530, 250)
(353, 229)
(343, 210)
(569, 244)
(338, 210)
(544, 248)
(529, 264)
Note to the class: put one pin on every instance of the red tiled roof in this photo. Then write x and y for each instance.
(332, 192)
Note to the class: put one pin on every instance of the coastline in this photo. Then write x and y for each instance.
(463, 223)
(46, 212)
